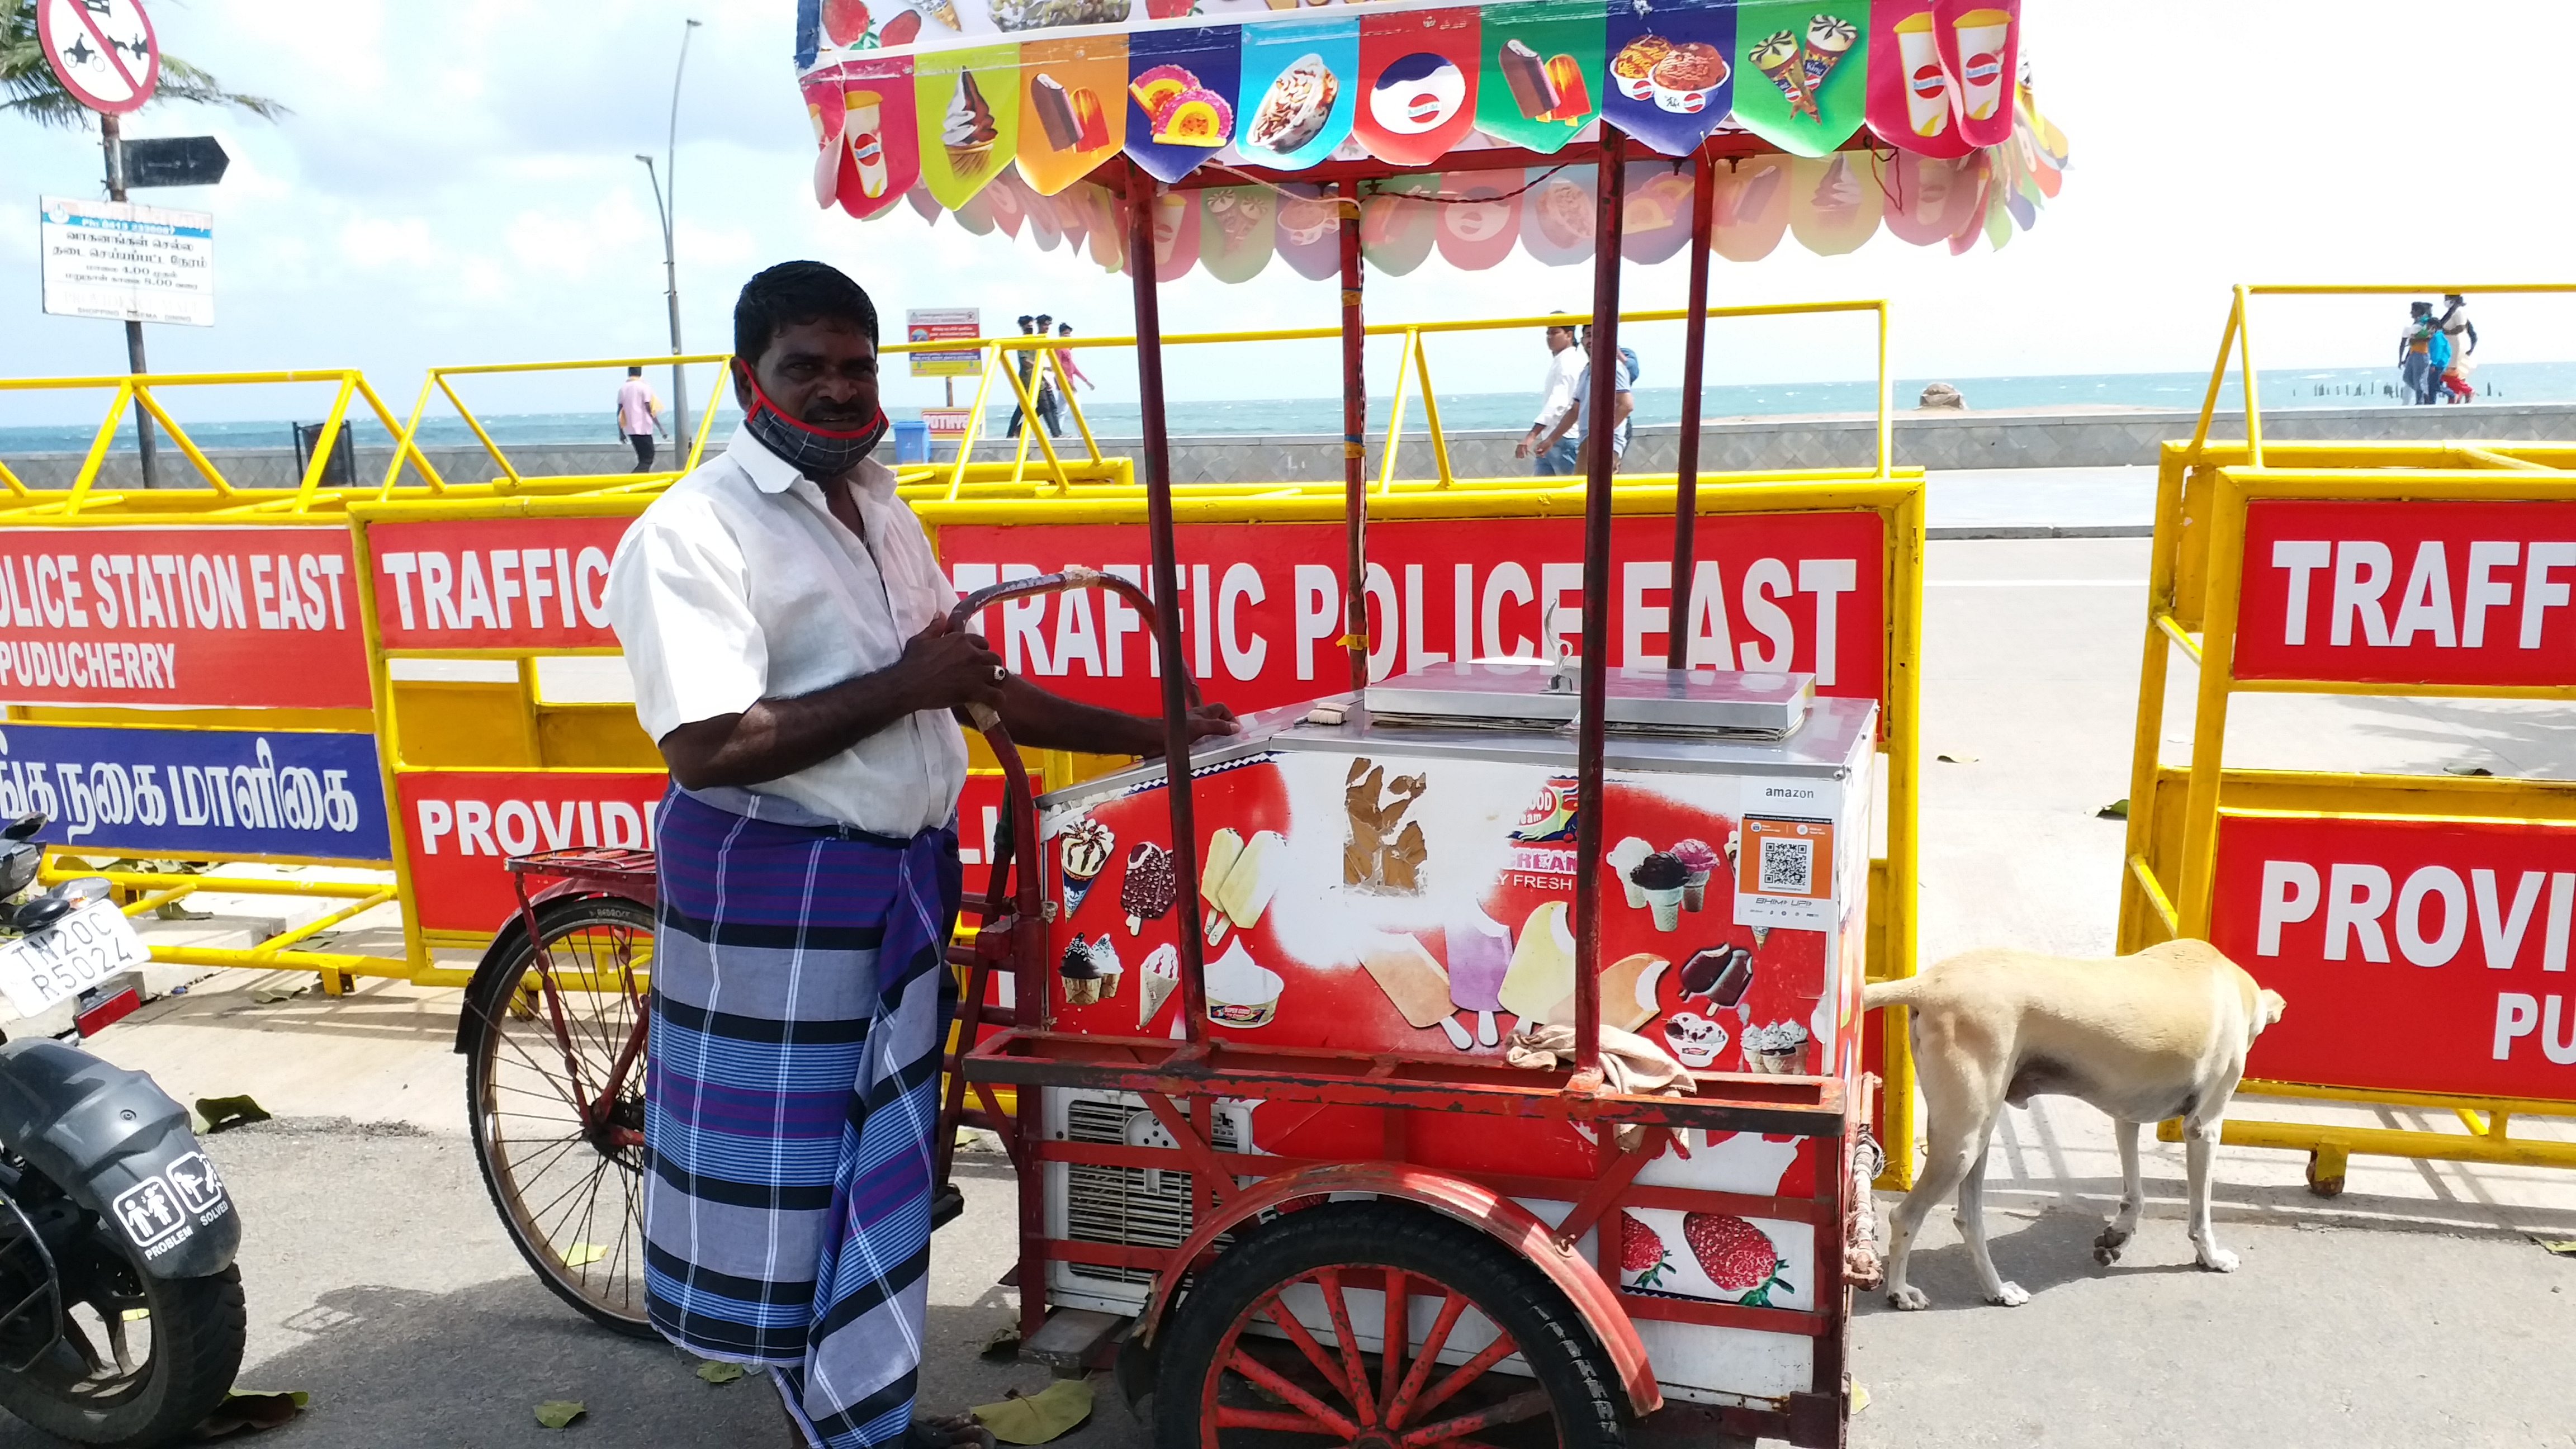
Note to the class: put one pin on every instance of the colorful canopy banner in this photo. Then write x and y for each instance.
(1981, 49)
(1073, 108)
(1670, 83)
(1297, 92)
(1802, 77)
(1396, 229)
(1481, 220)
(1237, 227)
(1542, 72)
(1309, 231)
(1910, 93)
(968, 104)
(1180, 97)
(1558, 218)
(1655, 216)
(1834, 201)
(1751, 209)
(1417, 87)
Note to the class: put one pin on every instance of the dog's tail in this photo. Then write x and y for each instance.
(1889, 993)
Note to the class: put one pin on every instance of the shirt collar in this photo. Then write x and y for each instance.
(773, 474)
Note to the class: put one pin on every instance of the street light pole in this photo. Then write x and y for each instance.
(667, 204)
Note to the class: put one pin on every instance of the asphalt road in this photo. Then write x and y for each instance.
(2413, 1310)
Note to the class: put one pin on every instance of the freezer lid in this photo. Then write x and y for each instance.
(1638, 699)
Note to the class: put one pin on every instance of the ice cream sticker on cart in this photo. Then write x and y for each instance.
(1785, 873)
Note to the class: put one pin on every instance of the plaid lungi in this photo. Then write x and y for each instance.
(800, 999)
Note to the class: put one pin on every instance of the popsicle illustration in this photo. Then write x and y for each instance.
(1480, 954)
(1146, 894)
(1239, 895)
(1084, 850)
(1412, 978)
(1542, 970)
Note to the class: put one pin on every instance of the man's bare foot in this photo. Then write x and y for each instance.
(961, 1431)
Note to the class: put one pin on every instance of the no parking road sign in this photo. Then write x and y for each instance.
(103, 50)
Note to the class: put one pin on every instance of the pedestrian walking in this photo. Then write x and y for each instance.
(639, 417)
(1073, 372)
(1026, 360)
(2415, 353)
(1555, 456)
(1576, 429)
(1050, 406)
(2463, 337)
(785, 621)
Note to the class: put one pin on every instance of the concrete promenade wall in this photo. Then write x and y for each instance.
(1936, 441)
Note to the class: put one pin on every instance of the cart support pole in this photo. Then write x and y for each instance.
(1686, 468)
(1602, 389)
(1355, 443)
(1178, 784)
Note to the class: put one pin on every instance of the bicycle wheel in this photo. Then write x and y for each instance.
(554, 1089)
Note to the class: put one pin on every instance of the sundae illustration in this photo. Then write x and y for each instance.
(1146, 893)
(967, 129)
(1295, 108)
(1634, 65)
(1159, 976)
(1237, 878)
(1695, 1039)
(1083, 850)
(1779, 1049)
(1414, 980)
(1662, 878)
(1685, 79)
(1379, 857)
(1480, 955)
(1241, 991)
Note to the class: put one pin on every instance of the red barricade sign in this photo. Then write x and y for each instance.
(204, 618)
(1263, 603)
(2468, 593)
(495, 583)
(2416, 955)
(462, 826)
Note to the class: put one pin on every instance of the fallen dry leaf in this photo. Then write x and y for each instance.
(1049, 1414)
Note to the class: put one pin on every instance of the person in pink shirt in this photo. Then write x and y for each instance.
(1064, 359)
(638, 417)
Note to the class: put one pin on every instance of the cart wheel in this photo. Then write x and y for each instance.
(1241, 1367)
(554, 1092)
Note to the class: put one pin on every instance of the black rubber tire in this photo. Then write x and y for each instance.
(485, 1021)
(1582, 1389)
(197, 1331)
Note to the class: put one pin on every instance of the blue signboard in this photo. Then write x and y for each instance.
(178, 792)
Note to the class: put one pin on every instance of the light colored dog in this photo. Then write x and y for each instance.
(2160, 1034)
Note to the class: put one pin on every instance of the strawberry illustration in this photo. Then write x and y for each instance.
(1736, 1256)
(1641, 1252)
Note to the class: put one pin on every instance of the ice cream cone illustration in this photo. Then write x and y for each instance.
(943, 11)
(1662, 878)
(1104, 964)
(1700, 861)
(1927, 85)
(1081, 977)
(1780, 57)
(967, 129)
(1625, 857)
(1083, 850)
(1982, 35)
(1829, 39)
(1161, 971)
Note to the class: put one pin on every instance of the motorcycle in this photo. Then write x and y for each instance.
(121, 1318)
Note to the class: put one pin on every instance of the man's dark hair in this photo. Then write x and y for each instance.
(792, 293)
(1027, 322)
(1043, 321)
(1064, 329)
(634, 372)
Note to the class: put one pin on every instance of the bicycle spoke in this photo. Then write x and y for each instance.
(1262, 1374)
(1355, 1373)
(1278, 1313)
(1392, 1338)
(1401, 1405)
(1527, 1405)
(1473, 1369)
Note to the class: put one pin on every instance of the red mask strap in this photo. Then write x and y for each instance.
(760, 401)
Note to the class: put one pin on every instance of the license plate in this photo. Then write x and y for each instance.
(69, 957)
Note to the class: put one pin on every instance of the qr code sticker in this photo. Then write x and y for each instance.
(1787, 866)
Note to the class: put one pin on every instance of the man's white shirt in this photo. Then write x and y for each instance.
(1561, 370)
(738, 585)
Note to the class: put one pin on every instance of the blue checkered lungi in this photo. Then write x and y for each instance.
(800, 1004)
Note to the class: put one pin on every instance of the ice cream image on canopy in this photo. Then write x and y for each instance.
(1662, 877)
(1161, 973)
(1542, 970)
(1241, 991)
(1083, 850)
(967, 129)
(1829, 39)
(1927, 85)
(1480, 955)
(1238, 878)
(1981, 60)
(1779, 56)
(1414, 980)
(1294, 110)
(1146, 894)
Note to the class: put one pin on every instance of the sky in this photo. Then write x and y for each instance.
(457, 184)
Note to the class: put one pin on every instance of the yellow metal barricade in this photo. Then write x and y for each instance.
(2177, 881)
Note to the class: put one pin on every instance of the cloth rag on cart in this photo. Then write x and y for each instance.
(800, 1000)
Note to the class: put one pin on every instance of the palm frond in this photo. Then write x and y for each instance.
(30, 90)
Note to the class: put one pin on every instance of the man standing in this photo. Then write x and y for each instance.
(2415, 353)
(638, 417)
(1576, 431)
(1050, 407)
(786, 626)
(2464, 340)
(1556, 456)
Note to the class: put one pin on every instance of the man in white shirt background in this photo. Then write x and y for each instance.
(639, 417)
(1545, 441)
(785, 622)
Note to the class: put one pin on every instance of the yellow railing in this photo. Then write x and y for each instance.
(2169, 867)
(442, 381)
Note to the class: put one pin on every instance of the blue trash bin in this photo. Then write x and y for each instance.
(912, 442)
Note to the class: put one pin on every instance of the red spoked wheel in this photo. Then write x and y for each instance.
(1270, 1348)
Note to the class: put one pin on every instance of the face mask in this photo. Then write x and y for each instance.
(818, 453)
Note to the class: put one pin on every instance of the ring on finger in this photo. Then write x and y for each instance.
(1000, 674)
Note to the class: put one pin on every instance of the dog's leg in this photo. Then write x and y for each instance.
(1953, 1152)
(1972, 1219)
(2133, 1196)
(2201, 1145)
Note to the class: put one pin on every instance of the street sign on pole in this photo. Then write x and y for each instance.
(942, 324)
(175, 161)
(103, 51)
(116, 260)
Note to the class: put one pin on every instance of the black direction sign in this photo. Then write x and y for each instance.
(175, 161)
